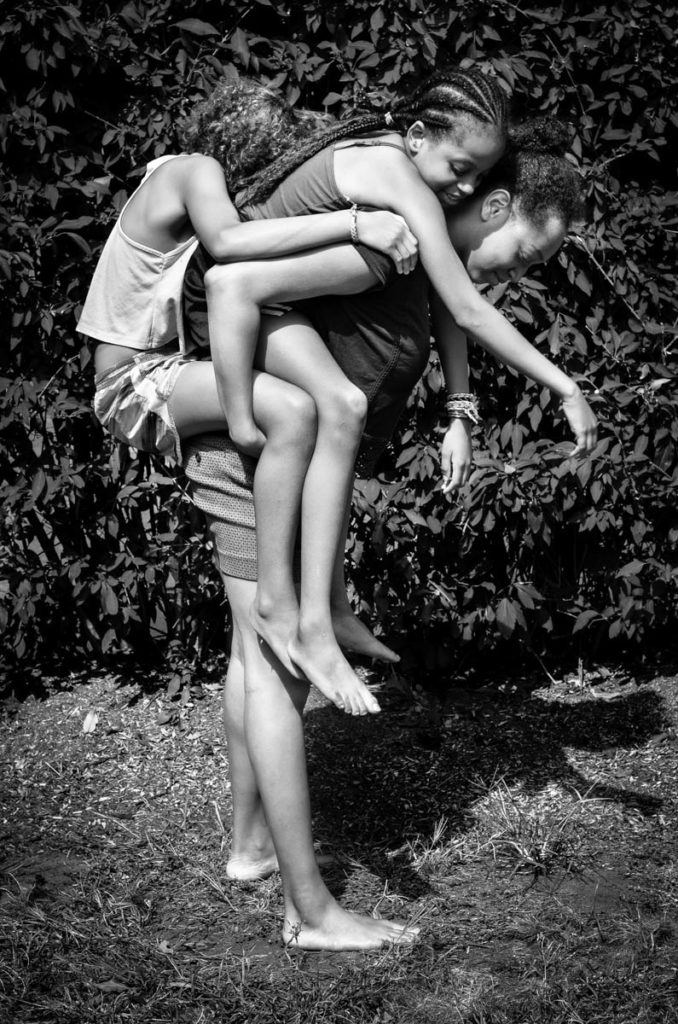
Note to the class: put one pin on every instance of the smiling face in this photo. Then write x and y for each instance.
(453, 164)
(498, 244)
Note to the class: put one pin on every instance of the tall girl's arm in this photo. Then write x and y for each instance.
(217, 225)
(402, 190)
(456, 451)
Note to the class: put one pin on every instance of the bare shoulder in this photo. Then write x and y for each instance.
(376, 172)
(157, 214)
(201, 174)
(185, 166)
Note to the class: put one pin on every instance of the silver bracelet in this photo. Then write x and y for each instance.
(355, 237)
(463, 406)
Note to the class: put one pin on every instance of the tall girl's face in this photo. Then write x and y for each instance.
(453, 164)
(501, 244)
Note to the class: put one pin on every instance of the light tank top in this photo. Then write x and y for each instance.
(135, 297)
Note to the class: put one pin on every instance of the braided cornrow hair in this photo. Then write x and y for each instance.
(534, 170)
(445, 102)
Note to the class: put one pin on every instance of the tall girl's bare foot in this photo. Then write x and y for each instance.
(316, 653)
(254, 869)
(277, 627)
(337, 930)
(353, 635)
(242, 869)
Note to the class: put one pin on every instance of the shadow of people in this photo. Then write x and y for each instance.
(378, 782)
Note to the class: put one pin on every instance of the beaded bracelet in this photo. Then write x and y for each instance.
(463, 406)
(355, 237)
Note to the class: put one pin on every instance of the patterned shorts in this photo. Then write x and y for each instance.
(222, 487)
(130, 401)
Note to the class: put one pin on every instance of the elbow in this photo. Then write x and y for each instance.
(471, 317)
(220, 248)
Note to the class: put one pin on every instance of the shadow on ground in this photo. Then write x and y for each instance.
(405, 776)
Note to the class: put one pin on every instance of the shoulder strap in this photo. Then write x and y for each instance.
(369, 142)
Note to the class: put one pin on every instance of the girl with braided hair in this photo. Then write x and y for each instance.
(421, 157)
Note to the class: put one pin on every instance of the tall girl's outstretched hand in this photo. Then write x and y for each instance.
(389, 233)
(583, 423)
(456, 456)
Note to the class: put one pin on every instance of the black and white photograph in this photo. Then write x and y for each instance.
(338, 529)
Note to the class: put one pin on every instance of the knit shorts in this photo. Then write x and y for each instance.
(222, 486)
(130, 401)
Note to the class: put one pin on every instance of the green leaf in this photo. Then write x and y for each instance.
(506, 617)
(197, 27)
(631, 568)
(584, 618)
(109, 599)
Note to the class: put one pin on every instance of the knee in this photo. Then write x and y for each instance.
(297, 417)
(345, 410)
(228, 280)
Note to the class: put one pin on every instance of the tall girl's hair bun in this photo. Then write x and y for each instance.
(545, 135)
(536, 172)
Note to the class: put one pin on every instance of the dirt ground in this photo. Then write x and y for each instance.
(529, 829)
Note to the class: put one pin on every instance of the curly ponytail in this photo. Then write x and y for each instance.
(443, 103)
(243, 125)
(534, 170)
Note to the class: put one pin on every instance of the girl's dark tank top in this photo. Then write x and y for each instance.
(311, 188)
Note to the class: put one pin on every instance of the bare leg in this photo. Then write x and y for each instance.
(295, 351)
(275, 741)
(279, 484)
(352, 634)
(252, 855)
(252, 852)
(287, 417)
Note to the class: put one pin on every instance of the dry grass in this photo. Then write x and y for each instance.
(534, 844)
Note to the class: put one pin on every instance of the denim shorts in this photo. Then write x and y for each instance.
(130, 401)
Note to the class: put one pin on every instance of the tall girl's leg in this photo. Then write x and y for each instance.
(252, 853)
(275, 740)
(352, 634)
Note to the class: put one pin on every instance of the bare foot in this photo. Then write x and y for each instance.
(242, 869)
(340, 930)
(247, 869)
(353, 635)
(276, 628)
(317, 655)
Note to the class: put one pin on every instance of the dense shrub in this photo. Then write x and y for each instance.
(99, 547)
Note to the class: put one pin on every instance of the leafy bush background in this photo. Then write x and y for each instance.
(101, 549)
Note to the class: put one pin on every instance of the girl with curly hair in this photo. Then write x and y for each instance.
(147, 382)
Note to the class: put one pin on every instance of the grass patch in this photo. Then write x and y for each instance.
(534, 842)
